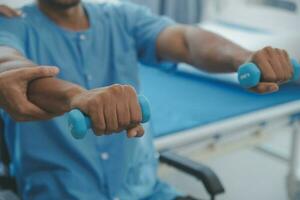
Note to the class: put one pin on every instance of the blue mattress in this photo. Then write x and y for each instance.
(181, 100)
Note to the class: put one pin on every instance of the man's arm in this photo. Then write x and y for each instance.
(213, 53)
(112, 109)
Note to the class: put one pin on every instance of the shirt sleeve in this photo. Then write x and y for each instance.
(145, 27)
(12, 33)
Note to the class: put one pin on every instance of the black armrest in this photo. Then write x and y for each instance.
(203, 173)
(8, 183)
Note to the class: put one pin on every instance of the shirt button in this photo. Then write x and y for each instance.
(104, 156)
(116, 198)
(82, 37)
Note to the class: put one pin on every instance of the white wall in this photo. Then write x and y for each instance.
(15, 3)
(246, 12)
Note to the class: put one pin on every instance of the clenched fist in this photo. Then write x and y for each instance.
(275, 66)
(111, 109)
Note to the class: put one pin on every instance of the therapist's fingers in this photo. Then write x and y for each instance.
(32, 73)
(21, 109)
(9, 12)
(265, 88)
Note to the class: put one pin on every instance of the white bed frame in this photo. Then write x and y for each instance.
(245, 131)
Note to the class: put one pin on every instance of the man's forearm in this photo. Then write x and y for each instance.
(211, 52)
(200, 48)
(53, 95)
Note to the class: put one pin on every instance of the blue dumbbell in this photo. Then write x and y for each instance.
(79, 124)
(249, 74)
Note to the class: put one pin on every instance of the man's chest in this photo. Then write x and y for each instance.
(88, 59)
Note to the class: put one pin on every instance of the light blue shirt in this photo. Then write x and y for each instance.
(48, 162)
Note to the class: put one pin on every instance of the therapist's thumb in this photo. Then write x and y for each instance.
(265, 88)
(32, 73)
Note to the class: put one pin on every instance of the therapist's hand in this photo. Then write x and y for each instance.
(9, 12)
(111, 109)
(13, 92)
(275, 65)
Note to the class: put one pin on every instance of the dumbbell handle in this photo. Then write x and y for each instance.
(79, 123)
(249, 74)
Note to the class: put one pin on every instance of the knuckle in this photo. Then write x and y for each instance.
(268, 48)
(283, 51)
(102, 97)
(131, 90)
(116, 88)
(286, 54)
(277, 50)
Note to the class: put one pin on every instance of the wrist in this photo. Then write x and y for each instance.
(241, 58)
(72, 93)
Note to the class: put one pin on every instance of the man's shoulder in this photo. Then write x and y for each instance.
(14, 24)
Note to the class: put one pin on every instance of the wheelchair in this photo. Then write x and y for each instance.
(211, 182)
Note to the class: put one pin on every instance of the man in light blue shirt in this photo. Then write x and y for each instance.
(96, 46)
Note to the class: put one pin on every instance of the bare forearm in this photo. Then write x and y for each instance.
(200, 48)
(213, 53)
(53, 95)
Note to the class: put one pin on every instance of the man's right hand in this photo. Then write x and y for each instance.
(111, 109)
